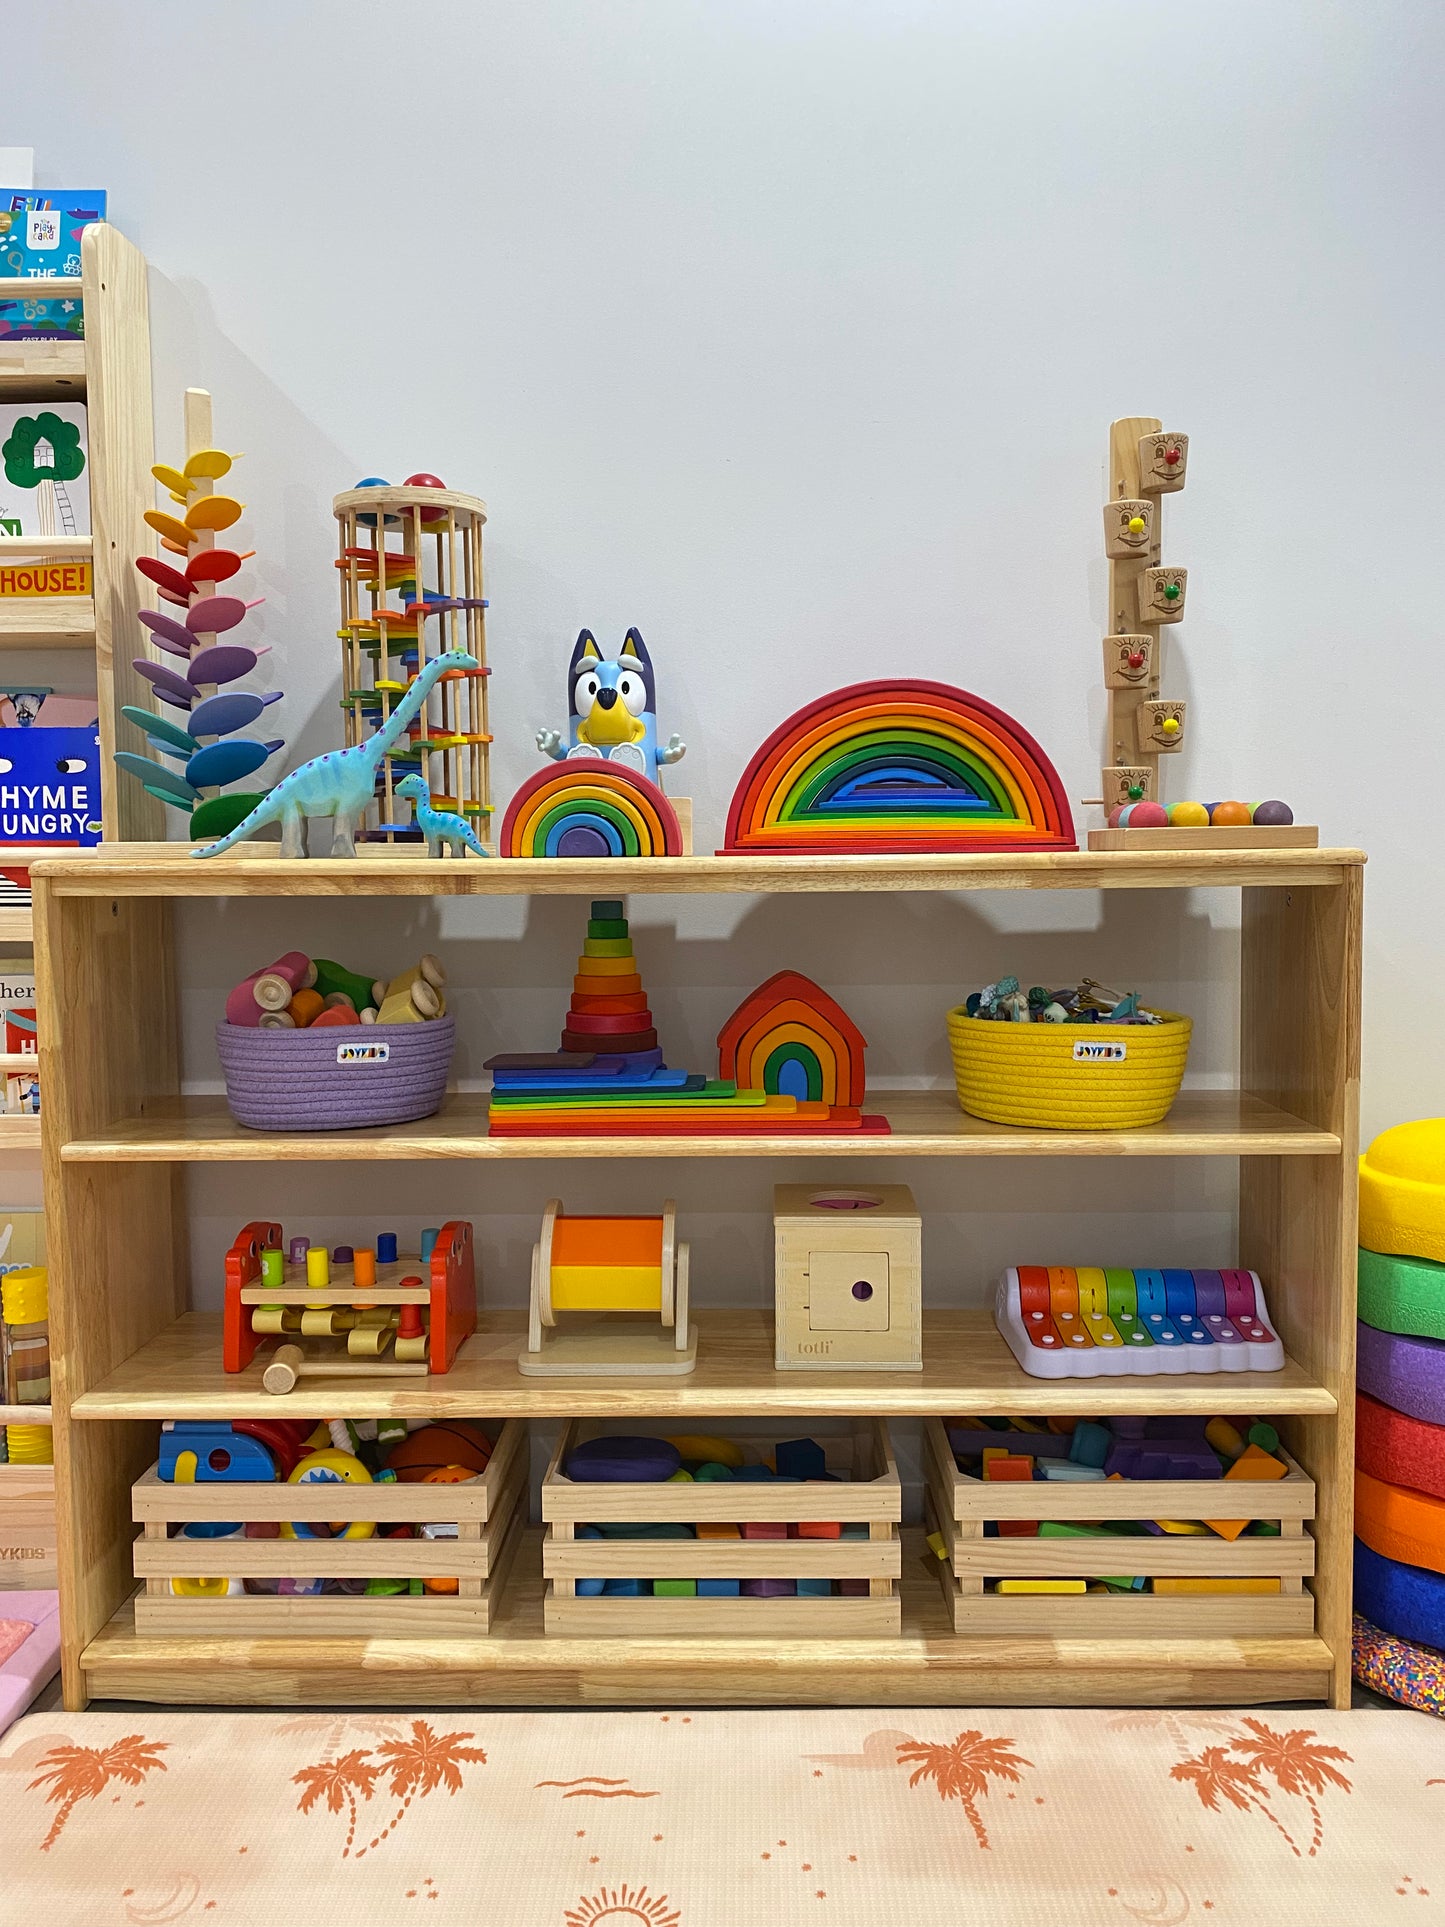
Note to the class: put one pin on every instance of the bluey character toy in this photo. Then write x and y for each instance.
(612, 709)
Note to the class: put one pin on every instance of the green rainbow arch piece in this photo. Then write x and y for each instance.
(806, 1060)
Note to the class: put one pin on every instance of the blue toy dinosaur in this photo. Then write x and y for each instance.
(439, 827)
(341, 783)
(612, 709)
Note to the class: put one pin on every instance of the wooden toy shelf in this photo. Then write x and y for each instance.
(127, 1351)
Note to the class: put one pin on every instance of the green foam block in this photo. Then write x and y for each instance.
(1402, 1295)
(674, 1589)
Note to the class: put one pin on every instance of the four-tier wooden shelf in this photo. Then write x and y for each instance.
(128, 1350)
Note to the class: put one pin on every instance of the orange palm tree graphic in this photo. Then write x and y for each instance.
(962, 1771)
(419, 1766)
(340, 1780)
(79, 1773)
(1297, 1762)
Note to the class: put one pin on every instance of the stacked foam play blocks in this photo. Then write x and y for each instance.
(609, 1077)
(1400, 1418)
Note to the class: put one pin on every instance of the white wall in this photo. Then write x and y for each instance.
(791, 333)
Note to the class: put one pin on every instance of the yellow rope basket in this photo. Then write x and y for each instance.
(1068, 1077)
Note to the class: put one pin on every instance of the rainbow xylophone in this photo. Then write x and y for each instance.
(1065, 1321)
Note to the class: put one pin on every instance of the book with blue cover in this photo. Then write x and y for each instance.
(50, 786)
(39, 241)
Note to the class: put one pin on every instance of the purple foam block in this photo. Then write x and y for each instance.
(623, 1460)
(969, 1442)
(770, 1588)
(1162, 1459)
(1407, 1374)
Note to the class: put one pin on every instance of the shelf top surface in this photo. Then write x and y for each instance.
(925, 1124)
(967, 1368)
(517, 1643)
(170, 870)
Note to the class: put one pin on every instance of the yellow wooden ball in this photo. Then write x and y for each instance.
(1136, 525)
(1188, 816)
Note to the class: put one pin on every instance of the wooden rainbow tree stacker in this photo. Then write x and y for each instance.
(1146, 463)
(411, 589)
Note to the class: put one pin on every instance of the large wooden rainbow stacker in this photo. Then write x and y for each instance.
(791, 1061)
(893, 767)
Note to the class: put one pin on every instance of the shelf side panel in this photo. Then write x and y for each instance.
(122, 448)
(1300, 1047)
(117, 1269)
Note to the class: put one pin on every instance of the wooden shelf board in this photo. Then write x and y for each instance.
(169, 870)
(56, 548)
(17, 925)
(925, 1124)
(42, 370)
(928, 1665)
(967, 1368)
(25, 1415)
(47, 622)
(19, 1133)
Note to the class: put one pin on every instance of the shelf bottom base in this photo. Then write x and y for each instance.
(518, 1666)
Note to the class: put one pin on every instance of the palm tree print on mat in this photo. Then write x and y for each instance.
(79, 1773)
(1299, 1764)
(963, 1770)
(412, 1768)
(622, 1907)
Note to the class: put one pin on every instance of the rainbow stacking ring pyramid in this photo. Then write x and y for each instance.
(609, 1078)
(893, 767)
(1400, 1410)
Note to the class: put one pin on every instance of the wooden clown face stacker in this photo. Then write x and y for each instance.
(612, 710)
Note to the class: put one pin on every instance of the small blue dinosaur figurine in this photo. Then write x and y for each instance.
(612, 709)
(439, 827)
(341, 783)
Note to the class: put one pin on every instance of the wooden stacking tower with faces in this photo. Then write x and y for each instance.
(405, 550)
(1146, 463)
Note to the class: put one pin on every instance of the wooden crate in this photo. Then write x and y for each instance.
(872, 1495)
(27, 1528)
(490, 1513)
(959, 1506)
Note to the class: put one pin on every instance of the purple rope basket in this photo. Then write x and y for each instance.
(294, 1080)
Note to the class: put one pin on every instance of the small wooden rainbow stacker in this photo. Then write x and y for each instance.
(394, 1316)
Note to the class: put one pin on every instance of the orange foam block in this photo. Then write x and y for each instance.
(1253, 1463)
(1400, 1523)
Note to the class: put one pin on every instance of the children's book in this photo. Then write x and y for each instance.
(39, 241)
(22, 1239)
(18, 1038)
(44, 490)
(50, 787)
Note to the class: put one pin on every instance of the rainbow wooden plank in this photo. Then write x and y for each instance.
(589, 808)
(889, 767)
(790, 1038)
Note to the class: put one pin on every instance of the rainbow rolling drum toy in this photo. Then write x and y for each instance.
(590, 809)
(894, 767)
(1062, 1321)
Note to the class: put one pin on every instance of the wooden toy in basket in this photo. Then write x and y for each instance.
(722, 1554)
(290, 1536)
(393, 1316)
(1171, 1576)
(1146, 598)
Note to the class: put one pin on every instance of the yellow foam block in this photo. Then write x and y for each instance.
(1402, 1191)
(1041, 1585)
(1215, 1585)
(717, 1529)
(606, 1287)
(1188, 1528)
(705, 1447)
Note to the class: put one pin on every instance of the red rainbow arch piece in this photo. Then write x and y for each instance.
(896, 767)
(585, 807)
(789, 1038)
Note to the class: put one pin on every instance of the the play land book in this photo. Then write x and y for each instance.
(44, 490)
(40, 241)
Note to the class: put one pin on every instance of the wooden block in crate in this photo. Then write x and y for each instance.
(27, 1528)
(872, 1496)
(959, 1505)
(489, 1511)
